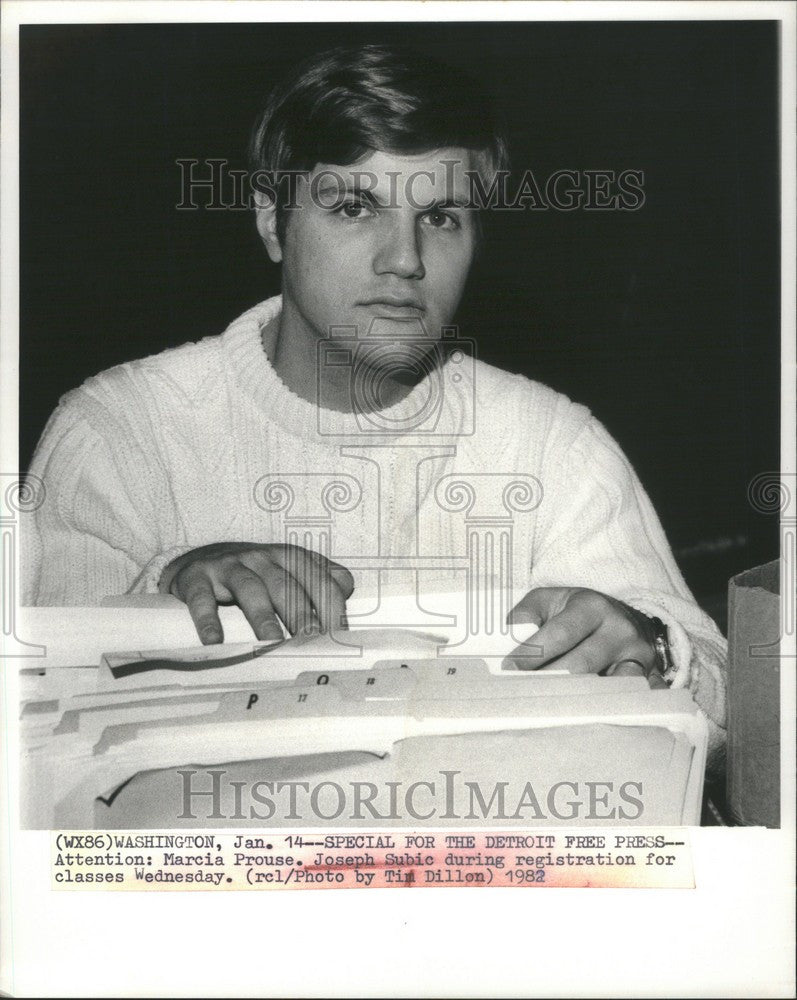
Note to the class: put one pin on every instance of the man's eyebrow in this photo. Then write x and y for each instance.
(351, 189)
(449, 203)
(358, 191)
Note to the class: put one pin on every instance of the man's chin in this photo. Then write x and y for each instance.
(400, 361)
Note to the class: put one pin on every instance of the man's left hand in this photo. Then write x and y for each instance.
(585, 632)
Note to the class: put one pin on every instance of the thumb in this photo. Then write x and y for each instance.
(633, 668)
(626, 668)
(535, 607)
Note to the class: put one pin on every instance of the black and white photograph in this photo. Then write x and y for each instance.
(395, 403)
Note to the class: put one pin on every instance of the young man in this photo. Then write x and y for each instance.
(348, 402)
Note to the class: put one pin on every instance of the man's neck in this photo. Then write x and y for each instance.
(293, 349)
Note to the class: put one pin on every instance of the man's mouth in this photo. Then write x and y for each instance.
(394, 306)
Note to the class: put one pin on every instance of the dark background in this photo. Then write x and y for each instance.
(665, 320)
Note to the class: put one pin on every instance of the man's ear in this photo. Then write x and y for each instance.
(266, 216)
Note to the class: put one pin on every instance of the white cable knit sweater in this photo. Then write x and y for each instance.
(204, 443)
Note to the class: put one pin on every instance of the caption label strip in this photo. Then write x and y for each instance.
(621, 859)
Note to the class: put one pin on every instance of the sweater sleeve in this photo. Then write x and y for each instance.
(105, 526)
(598, 530)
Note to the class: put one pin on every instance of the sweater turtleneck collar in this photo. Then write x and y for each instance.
(254, 372)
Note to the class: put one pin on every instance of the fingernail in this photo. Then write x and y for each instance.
(210, 635)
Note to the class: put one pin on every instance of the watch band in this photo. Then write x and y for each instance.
(661, 644)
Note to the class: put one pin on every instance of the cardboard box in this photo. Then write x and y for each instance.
(754, 626)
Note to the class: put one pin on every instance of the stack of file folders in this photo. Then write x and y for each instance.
(109, 745)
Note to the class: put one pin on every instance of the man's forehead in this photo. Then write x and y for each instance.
(434, 175)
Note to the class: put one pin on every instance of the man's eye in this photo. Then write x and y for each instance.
(439, 219)
(354, 210)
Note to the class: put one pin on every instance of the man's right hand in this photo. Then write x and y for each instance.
(270, 583)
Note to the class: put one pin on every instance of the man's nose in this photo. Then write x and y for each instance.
(399, 250)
